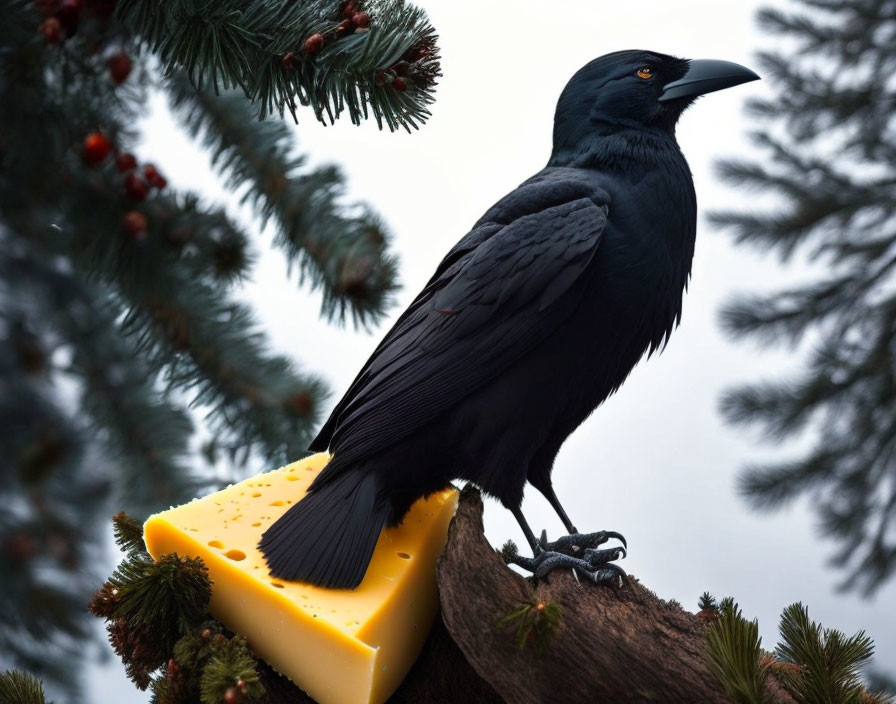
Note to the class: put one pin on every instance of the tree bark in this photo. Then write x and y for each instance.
(612, 644)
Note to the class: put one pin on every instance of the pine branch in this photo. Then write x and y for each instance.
(735, 656)
(148, 436)
(828, 152)
(271, 51)
(18, 687)
(339, 249)
(828, 663)
(195, 336)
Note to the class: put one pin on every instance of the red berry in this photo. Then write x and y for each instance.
(134, 224)
(399, 85)
(344, 27)
(51, 28)
(350, 10)
(361, 19)
(314, 43)
(299, 404)
(287, 60)
(125, 162)
(152, 175)
(232, 696)
(135, 187)
(119, 67)
(96, 148)
(401, 68)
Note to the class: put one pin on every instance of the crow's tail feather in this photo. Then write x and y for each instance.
(328, 537)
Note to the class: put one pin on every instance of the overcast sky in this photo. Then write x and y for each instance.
(655, 462)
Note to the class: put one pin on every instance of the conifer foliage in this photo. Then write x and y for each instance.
(157, 621)
(812, 663)
(826, 158)
(126, 355)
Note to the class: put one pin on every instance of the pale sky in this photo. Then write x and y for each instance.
(655, 462)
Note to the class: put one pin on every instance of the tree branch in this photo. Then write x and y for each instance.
(611, 646)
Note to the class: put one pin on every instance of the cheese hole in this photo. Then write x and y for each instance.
(404, 556)
(277, 584)
(275, 503)
(256, 524)
(235, 554)
(292, 478)
(256, 494)
(215, 544)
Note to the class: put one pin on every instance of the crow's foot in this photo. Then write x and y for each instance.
(576, 543)
(578, 552)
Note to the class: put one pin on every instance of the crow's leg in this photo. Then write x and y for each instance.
(527, 531)
(548, 492)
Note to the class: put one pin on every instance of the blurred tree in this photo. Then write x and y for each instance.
(829, 146)
(124, 354)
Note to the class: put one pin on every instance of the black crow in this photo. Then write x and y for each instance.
(534, 318)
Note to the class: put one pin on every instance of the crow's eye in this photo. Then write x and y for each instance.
(645, 72)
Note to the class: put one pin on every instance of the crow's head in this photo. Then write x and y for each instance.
(637, 90)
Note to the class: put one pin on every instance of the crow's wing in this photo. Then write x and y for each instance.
(500, 291)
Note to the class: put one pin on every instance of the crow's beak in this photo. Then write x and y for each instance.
(705, 76)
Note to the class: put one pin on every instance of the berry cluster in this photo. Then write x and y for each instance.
(137, 182)
(354, 19)
(61, 19)
(413, 67)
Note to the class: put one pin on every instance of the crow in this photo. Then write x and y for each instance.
(528, 324)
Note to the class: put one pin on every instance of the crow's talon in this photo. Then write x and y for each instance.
(575, 543)
(595, 565)
(597, 558)
(608, 573)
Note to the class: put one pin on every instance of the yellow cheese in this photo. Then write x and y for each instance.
(340, 646)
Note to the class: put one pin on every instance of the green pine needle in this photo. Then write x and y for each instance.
(169, 596)
(829, 662)
(232, 666)
(197, 646)
(734, 652)
(128, 534)
(707, 602)
(535, 622)
(508, 551)
(17, 687)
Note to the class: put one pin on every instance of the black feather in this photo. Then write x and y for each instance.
(328, 537)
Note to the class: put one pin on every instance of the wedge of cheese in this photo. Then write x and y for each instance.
(340, 646)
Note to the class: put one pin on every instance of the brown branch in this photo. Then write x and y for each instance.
(611, 645)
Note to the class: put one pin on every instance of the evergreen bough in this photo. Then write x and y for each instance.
(827, 164)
